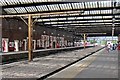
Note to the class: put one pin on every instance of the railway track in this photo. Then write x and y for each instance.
(23, 55)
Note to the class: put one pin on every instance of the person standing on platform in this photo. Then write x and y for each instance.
(108, 47)
(118, 47)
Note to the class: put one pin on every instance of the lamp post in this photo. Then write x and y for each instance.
(113, 20)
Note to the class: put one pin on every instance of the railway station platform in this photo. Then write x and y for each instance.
(59, 39)
(42, 66)
(101, 65)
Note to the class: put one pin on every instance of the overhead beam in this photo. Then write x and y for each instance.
(79, 15)
(79, 20)
(108, 25)
(82, 22)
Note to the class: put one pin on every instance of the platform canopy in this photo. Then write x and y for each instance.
(94, 17)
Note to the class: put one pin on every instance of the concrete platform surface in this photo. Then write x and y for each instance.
(43, 65)
(99, 65)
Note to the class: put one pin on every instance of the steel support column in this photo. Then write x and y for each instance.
(30, 38)
(84, 40)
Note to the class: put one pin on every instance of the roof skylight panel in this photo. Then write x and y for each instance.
(63, 14)
(25, 1)
(99, 20)
(54, 22)
(107, 20)
(107, 4)
(44, 15)
(74, 24)
(79, 18)
(74, 14)
(91, 21)
(89, 4)
(53, 19)
(107, 16)
(101, 3)
(91, 12)
(118, 3)
(20, 9)
(86, 12)
(2, 2)
(12, 2)
(9, 2)
(82, 5)
(31, 9)
(95, 4)
(99, 17)
(10, 10)
(54, 15)
(39, 20)
(102, 12)
(89, 17)
(106, 11)
(53, 0)
(76, 21)
(117, 16)
(97, 11)
(46, 19)
(86, 4)
(110, 11)
(57, 25)
(47, 23)
(108, 23)
(65, 6)
(42, 8)
(68, 22)
(117, 20)
(36, 1)
(60, 22)
(76, 5)
(71, 18)
(61, 18)
(94, 17)
(117, 23)
(82, 21)
(53, 7)
(61, 6)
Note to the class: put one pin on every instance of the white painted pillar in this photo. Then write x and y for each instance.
(16, 45)
(5, 44)
(34, 44)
